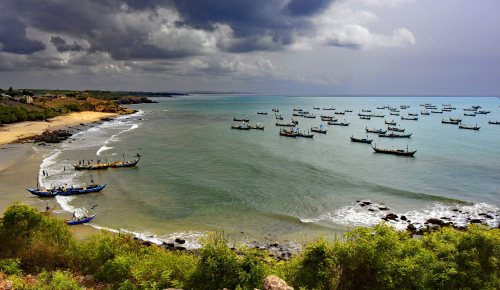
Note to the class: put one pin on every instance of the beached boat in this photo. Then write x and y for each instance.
(399, 152)
(361, 140)
(261, 113)
(409, 118)
(66, 190)
(376, 131)
(396, 129)
(394, 135)
(392, 123)
(453, 122)
(470, 127)
(81, 220)
(318, 129)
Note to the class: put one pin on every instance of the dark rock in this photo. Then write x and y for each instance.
(371, 209)
(391, 216)
(180, 241)
(179, 248)
(274, 245)
(435, 221)
(403, 218)
(362, 204)
(367, 202)
(411, 228)
(475, 221)
(383, 208)
(170, 245)
(444, 218)
(455, 209)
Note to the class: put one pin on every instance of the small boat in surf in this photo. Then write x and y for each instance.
(116, 164)
(80, 220)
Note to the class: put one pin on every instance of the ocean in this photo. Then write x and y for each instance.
(196, 174)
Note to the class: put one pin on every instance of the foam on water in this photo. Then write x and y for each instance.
(459, 215)
(103, 148)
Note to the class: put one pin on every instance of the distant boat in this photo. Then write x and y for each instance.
(494, 122)
(288, 133)
(425, 113)
(294, 121)
(340, 113)
(470, 127)
(412, 114)
(470, 114)
(315, 108)
(378, 115)
(309, 116)
(300, 114)
(275, 110)
(329, 109)
(297, 110)
(394, 113)
(240, 127)
(450, 121)
(261, 113)
(66, 190)
(81, 220)
(476, 107)
(361, 140)
(483, 112)
(396, 129)
(326, 118)
(285, 124)
(278, 117)
(376, 131)
(393, 135)
(409, 118)
(365, 117)
(338, 123)
(381, 108)
(399, 152)
(305, 135)
(256, 127)
(366, 110)
(241, 119)
(393, 123)
(470, 109)
(348, 110)
(456, 119)
(318, 130)
(436, 112)
(404, 107)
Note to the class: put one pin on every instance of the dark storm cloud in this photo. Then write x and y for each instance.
(255, 25)
(61, 45)
(13, 36)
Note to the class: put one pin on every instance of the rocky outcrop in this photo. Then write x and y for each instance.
(275, 283)
(133, 100)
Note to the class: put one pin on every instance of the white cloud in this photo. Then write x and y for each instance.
(389, 3)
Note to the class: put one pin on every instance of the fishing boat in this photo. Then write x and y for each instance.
(338, 123)
(92, 166)
(376, 131)
(409, 118)
(288, 133)
(396, 129)
(315, 108)
(412, 114)
(365, 117)
(366, 110)
(340, 113)
(284, 124)
(361, 140)
(470, 114)
(81, 220)
(275, 110)
(381, 108)
(378, 115)
(261, 113)
(470, 109)
(483, 112)
(66, 190)
(241, 119)
(436, 112)
(453, 122)
(494, 122)
(476, 107)
(425, 113)
(446, 109)
(278, 117)
(297, 110)
(399, 152)
(394, 113)
(130, 163)
(309, 116)
(256, 127)
(294, 121)
(318, 129)
(394, 135)
(470, 127)
(305, 135)
(326, 118)
(298, 114)
(456, 119)
(404, 107)
(329, 109)
(240, 127)
(392, 123)
(348, 110)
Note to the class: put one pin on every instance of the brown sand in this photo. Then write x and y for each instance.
(13, 132)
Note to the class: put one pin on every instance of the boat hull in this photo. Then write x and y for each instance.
(80, 221)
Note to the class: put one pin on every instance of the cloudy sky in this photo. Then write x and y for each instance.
(263, 46)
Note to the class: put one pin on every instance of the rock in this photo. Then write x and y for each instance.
(391, 216)
(180, 248)
(455, 209)
(180, 241)
(435, 221)
(274, 245)
(367, 202)
(275, 283)
(475, 221)
(411, 228)
(371, 209)
(403, 218)
(169, 245)
(383, 208)
(362, 204)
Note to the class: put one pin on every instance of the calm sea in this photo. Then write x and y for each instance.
(197, 174)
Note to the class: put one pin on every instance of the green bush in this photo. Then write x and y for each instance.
(58, 280)
(10, 266)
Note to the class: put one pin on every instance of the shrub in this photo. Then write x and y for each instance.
(58, 280)
(10, 266)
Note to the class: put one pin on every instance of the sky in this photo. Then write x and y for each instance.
(296, 47)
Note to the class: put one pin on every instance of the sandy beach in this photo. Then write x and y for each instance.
(12, 132)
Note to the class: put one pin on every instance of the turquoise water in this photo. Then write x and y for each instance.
(197, 174)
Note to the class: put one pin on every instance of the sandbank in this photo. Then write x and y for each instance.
(12, 132)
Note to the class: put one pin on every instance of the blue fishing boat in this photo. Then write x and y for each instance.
(66, 191)
(81, 220)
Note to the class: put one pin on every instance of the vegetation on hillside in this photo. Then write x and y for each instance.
(39, 252)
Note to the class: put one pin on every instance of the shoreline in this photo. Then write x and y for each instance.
(11, 133)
